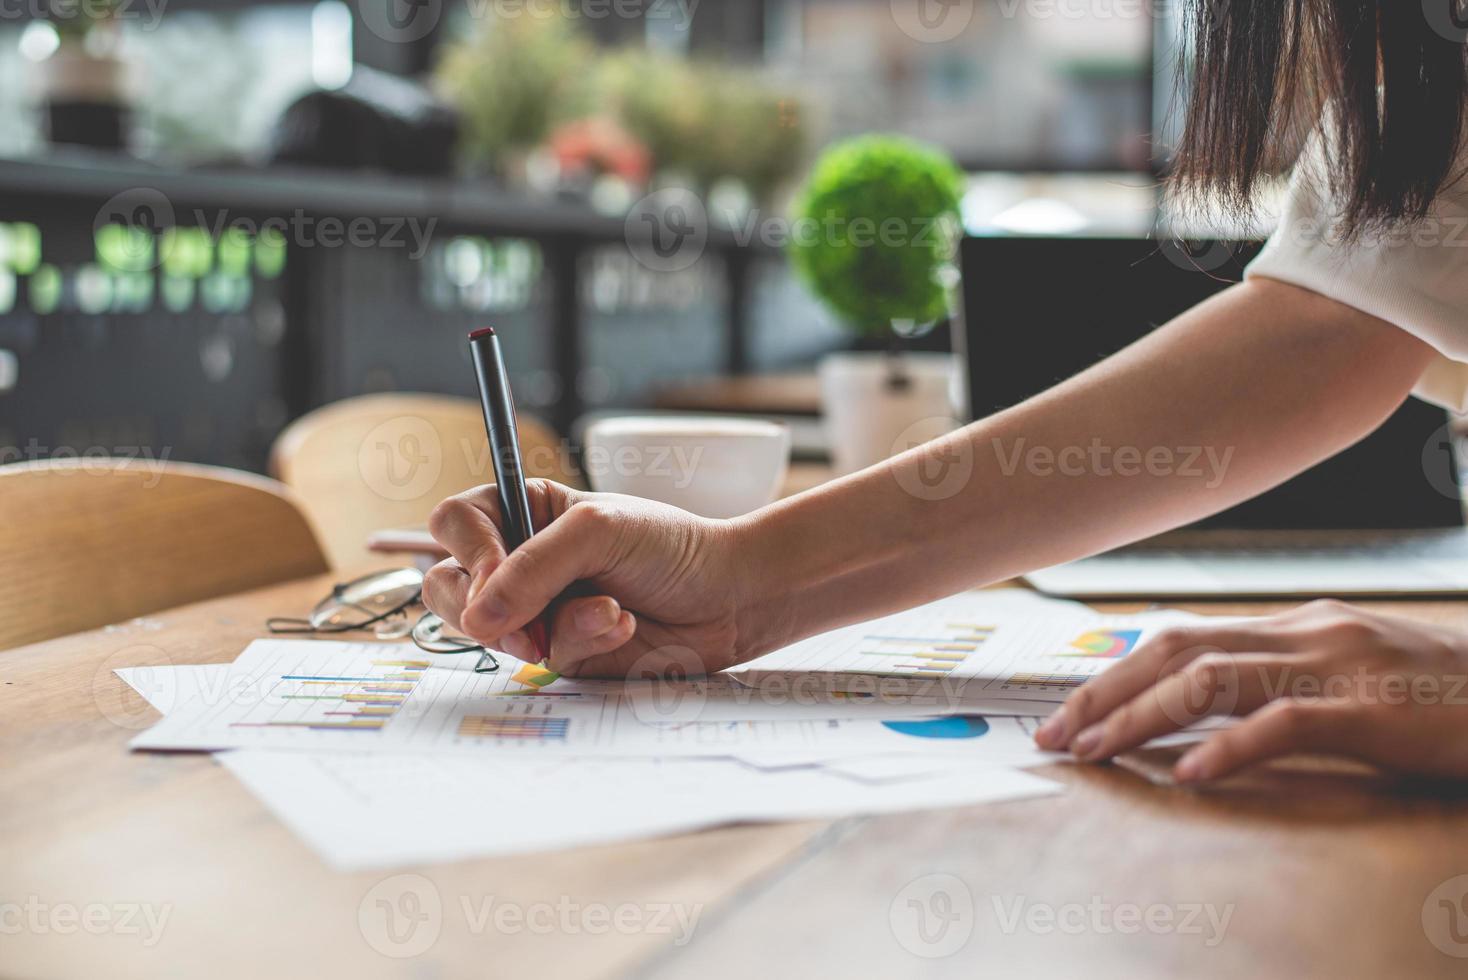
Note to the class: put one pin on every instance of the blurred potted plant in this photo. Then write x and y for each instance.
(874, 235)
(83, 84)
(512, 81)
(598, 152)
(705, 124)
(660, 101)
(752, 141)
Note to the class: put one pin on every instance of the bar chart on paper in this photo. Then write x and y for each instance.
(971, 647)
(308, 694)
(362, 701)
(933, 657)
(1095, 644)
(304, 695)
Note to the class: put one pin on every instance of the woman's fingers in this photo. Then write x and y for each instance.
(586, 628)
(445, 591)
(1169, 650)
(575, 546)
(467, 524)
(1279, 728)
(642, 658)
(1213, 684)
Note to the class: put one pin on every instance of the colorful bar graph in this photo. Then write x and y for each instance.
(514, 727)
(921, 672)
(353, 701)
(358, 725)
(1046, 680)
(904, 654)
(930, 657)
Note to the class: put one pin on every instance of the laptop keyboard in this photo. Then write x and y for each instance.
(1434, 543)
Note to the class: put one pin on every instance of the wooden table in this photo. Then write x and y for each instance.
(1320, 869)
(756, 394)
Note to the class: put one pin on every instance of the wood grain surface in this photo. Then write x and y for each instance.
(1308, 868)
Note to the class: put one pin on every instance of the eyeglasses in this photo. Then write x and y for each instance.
(380, 602)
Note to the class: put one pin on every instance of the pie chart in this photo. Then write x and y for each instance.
(954, 726)
(1103, 643)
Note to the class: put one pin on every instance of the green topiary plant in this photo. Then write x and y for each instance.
(874, 233)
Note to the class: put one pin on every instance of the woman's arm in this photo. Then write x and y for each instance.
(1231, 398)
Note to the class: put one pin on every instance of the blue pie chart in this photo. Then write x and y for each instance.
(954, 726)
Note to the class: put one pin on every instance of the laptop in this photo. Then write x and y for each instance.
(1382, 518)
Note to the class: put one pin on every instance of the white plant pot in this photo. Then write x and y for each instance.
(867, 420)
(73, 75)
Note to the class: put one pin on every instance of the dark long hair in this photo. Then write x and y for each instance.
(1385, 79)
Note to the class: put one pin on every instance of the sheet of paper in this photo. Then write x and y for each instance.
(360, 811)
(353, 808)
(373, 697)
(169, 686)
(995, 644)
(721, 697)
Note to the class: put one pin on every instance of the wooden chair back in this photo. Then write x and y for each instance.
(384, 461)
(88, 542)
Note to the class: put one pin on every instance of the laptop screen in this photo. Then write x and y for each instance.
(1039, 310)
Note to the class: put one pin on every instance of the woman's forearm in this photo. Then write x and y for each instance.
(1228, 400)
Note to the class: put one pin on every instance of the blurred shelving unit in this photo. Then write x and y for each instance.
(209, 354)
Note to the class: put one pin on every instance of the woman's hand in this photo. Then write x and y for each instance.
(1324, 678)
(664, 587)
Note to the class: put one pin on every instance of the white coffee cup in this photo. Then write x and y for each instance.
(710, 466)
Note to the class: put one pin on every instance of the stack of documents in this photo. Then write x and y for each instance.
(375, 753)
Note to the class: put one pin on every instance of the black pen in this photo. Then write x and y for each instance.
(516, 525)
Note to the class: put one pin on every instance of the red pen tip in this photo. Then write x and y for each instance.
(481, 332)
(539, 638)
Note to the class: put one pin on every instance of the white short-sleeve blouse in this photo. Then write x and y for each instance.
(1414, 276)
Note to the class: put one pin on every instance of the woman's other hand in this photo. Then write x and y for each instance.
(1323, 678)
